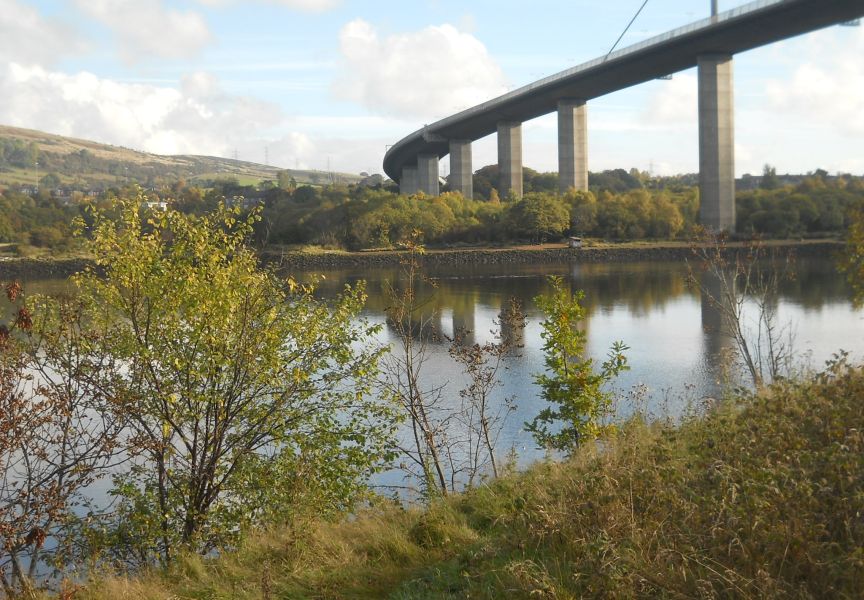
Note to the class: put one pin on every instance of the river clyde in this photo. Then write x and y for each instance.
(678, 351)
(674, 334)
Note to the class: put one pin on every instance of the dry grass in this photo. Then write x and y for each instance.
(762, 498)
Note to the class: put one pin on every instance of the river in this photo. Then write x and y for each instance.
(673, 333)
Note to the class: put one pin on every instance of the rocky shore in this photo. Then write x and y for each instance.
(478, 256)
(26, 269)
(31, 269)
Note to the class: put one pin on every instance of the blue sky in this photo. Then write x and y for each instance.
(318, 81)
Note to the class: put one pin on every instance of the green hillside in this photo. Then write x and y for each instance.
(28, 156)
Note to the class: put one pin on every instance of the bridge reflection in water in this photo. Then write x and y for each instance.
(675, 332)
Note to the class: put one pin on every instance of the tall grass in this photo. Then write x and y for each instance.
(763, 497)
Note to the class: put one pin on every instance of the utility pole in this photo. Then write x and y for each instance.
(713, 8)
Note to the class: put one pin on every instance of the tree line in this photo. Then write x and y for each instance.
(373, 215)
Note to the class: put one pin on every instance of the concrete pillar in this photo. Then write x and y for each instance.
(510, 160)
(408, 182)
(716, 143)
(572, 145)
(427, 174)
(461, 171)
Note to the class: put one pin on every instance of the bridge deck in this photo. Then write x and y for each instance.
(737, 30)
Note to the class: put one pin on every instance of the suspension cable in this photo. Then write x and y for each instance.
(626, 29)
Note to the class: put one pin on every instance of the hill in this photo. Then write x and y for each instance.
(28, 156)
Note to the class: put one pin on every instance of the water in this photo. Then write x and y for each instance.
(674, 333)
(674, 338)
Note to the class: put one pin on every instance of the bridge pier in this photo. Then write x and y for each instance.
(427, 174)
(461, 171)
(408, 181)
(510, 159)
(572, 145)
(716, 142)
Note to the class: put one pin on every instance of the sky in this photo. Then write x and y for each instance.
(330, 83)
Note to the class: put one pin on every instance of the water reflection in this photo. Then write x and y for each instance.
(674, 331)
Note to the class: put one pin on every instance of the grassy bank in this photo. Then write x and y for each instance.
(764, 497)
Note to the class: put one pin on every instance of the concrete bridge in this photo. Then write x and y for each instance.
(708, 44)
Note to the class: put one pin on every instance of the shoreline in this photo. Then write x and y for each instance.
(41, 268)
(661, 252)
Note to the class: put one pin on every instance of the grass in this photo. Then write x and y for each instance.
(762, 497)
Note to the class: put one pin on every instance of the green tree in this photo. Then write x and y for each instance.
(244, 394)
(539, 215)
(769, 179)
(286, 180)
(853, 261)
(570, 383)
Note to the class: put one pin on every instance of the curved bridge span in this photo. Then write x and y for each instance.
(708, 44)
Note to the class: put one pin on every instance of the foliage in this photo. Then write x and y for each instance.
(759, 498)
(369, 215)
(425, 451)
(57, 436)
(853, 261)
(244, 395)
(538, 217)
(481, 417)
(570, 382)
(447, 446)
(743, 286)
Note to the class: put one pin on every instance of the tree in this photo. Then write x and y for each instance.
(57, 436)
(853, 260)
(539, 215)
(286, 180)
(743, 285)
(570, 381)
(243, 394)
(427, 448)
(482, 418)
(769, 179)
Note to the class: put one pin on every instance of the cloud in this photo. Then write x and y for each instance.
(676, 103)
(826, 89)
(429, 73)
(197, 118)
(308, 5)
(28, 37)
(145, 28)
(301, 5)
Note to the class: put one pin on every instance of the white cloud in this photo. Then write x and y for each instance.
(827, 89)
(301, 5)
(429, 73)
(676, 103)
(198, 118)
(28, 37)
(308, 5)
(146, 28)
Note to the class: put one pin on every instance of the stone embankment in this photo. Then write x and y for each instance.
(31, 269)
(504, 256)
(27, 269)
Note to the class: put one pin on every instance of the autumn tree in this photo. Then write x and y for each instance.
(57, 436)
(245, 396)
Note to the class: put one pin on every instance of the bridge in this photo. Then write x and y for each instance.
(708, 44)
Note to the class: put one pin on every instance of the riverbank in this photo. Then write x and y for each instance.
(298, 260)
(549, 253)
(760, 498)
